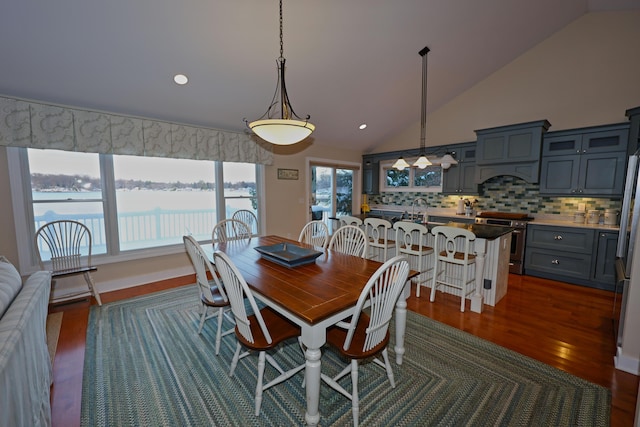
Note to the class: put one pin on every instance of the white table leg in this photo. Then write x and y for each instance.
(401, 322)
(312, 380)
(476, 298)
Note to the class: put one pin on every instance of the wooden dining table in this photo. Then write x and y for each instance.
(314, 296)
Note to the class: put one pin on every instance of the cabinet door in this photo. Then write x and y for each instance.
(605, 272)
(605, 142)
(602, 174)
(509, 146)
(370, 176)
(559, 174)
(467, 178)
(562, 145)
(451, 179)
(557, 263)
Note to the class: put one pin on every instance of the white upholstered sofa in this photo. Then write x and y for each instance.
(25, 366)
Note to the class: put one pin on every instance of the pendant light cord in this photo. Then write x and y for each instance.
(281, 38)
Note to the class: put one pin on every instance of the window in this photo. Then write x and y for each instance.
(133, 205)
(424, 180)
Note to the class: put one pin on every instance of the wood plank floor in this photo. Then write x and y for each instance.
(566, 326)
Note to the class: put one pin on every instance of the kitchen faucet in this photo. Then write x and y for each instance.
(413, 205)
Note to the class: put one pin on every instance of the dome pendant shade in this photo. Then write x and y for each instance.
(422, 162)
(288, 128)
(282, 131)
(400, 164)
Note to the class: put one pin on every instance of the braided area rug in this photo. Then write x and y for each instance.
(146, 365)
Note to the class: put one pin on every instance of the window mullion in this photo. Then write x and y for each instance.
(109, 205)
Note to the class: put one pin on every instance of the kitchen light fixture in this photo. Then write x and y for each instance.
(422, 161)
(447, 160)
(288, 128)
(180, 79)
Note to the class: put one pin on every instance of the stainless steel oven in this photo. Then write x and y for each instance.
(518, 237)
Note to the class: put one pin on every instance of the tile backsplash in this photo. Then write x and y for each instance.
(505, 194)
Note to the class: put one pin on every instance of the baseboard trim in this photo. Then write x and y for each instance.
(626, 363)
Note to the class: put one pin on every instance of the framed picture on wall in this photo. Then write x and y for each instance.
(287, 173)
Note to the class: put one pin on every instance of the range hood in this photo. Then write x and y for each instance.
(510, 150)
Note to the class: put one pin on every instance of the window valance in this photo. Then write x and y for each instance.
(38, 125)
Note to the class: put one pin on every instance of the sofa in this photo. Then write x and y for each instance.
(25, 365)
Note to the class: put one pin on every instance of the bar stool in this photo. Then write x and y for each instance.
(377, 230)
(455, 261)
(412, 241)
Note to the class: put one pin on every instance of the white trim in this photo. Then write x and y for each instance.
(15, 162)
(626, 363)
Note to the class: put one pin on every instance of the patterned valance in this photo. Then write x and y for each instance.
(36, 125)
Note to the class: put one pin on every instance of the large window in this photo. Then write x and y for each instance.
(132, 204)
(414, 179)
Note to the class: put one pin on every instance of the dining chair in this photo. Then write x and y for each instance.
(366, 336)
(412, 240)
(212, 295)
(349, 220)
(455, 261)
(248, 217)
(315, 233)
(230, 229)
(351, 240)
(377, 231)
(261, 331)
(68, 244)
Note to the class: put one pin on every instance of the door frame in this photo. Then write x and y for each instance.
(339, 164)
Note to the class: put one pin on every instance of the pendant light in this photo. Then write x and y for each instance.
(287, 128)
(422, 161)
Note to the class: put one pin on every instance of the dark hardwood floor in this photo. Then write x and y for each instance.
(566, 326)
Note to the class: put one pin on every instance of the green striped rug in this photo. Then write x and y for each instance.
(145, 365)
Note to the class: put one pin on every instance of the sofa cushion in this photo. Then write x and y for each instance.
(10, 284)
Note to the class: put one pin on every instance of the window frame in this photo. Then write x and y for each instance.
(411, 188)
(21, 200)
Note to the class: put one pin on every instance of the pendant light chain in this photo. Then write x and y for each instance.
(281, 38)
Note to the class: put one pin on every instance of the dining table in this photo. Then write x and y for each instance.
(314, 295)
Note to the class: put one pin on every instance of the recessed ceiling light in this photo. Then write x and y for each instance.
(180, 79)
(363, 126)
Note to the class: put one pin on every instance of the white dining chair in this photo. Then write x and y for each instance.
(230, 229)
(455, 261)
(351, 240)
(315, 233)
(349, 220)
(377, 231)
(366, 335)
(212, 295)
(412, 241)
(261, 331)
(248, 217)
(68, 244)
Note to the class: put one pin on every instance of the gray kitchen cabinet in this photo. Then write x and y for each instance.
(583, 256)
(510, 150)
(605, 271)
(585, 162)
(460, 178)
(370, 174)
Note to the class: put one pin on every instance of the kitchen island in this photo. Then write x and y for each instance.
(492, 247)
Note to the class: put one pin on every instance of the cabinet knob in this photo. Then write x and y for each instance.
(584, 151)
(558, 237)
(555, 261)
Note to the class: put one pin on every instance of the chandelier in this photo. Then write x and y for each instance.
(280, 125)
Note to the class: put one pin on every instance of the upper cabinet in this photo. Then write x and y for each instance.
(460, 178)
(370, 174)
(586, 162)
(510, 150)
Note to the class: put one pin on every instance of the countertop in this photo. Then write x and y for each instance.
(538, 219)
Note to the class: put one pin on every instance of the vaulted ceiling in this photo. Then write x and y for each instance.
(348, 62)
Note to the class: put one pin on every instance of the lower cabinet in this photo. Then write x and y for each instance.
(583, 256)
